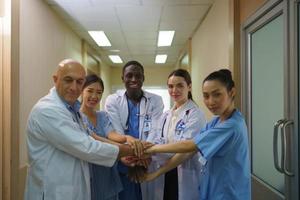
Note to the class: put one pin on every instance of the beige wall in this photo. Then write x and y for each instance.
(92, 65)
(211, 46)
(154, 76)
(249, 7)
(44, 41)
(106, 76)
(5, 101)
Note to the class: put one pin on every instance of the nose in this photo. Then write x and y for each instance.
(133, 78)
(174, 89)
(211, 101)
(73, 85)
(95, 95)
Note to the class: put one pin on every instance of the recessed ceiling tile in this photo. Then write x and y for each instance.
(165, 2)
(142, 42)
(107, 26)
(115, 2)
(137, 27)
(181, 25)
(134, 51)
(192, 12)
(73, 2)
(141, 35)
(141, 48)
(139, 12)
(202, 1)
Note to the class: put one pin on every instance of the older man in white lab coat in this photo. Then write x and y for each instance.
(58, 144)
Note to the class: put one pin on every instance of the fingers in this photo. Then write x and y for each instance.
(147, 144)
(129, 161)
(137, 147)
(140, 148)
(136, 173)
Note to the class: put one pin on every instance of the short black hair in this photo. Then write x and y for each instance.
(134, 63)
(93, 78)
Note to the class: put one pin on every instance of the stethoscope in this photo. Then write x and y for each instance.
(183, 121)
(77, 118)
(141, 115)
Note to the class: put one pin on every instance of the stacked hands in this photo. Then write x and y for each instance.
(138, 164)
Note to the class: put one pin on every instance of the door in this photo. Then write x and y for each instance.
(270, 100)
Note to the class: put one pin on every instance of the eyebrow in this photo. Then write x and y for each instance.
(180, 83)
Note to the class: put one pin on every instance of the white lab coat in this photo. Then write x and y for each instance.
(59, 149)
(189, 171)
(152, 106)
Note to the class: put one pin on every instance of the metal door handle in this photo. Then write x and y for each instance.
(284, 134)
(275, 146)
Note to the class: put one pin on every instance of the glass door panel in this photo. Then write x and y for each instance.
(267, 69)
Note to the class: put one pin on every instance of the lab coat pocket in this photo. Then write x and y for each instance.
(64, 192)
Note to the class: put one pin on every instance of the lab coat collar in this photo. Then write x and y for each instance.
(146, 94)
(75, 108)
(186, 106)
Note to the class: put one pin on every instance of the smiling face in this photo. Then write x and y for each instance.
(92, 95)
(217, 98)
(133, 79)
(69, 81)
(178, 89)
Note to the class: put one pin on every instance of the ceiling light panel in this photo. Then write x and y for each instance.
(115, 58)
(100, 38)
(161, 58)
(165, 38)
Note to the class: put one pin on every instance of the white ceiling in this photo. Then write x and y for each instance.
(132, 25)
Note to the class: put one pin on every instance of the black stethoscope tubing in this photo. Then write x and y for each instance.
(163, 126)
(127, 121)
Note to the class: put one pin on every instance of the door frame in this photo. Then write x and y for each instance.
(270, 10)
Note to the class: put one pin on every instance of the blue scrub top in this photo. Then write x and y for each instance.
(225, 154)
(131, 190)
(105, 181)
(133, 119)
(132, 128)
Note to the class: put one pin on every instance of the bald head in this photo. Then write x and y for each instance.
(69, 79)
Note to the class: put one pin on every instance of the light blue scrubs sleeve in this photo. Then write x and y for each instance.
(104, 122)
(212, 140)
(62, 132)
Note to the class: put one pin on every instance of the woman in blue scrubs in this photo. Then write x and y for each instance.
(105, 181)
(222, 143)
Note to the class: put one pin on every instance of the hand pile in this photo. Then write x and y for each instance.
(138, 164)
(140, 158)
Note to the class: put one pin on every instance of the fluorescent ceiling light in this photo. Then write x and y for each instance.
(162, 58)
(100, 38)
(115, 59)
(114, 50)
(165, 38)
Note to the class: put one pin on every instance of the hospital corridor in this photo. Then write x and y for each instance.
(149, 99)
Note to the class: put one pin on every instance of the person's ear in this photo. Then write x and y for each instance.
(143, 78)
(55, 78)
(232, 93)
(190, 87)
(122, 77)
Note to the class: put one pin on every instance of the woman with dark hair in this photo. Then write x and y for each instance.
(105, 181)
(222, 144)
(182, 122)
